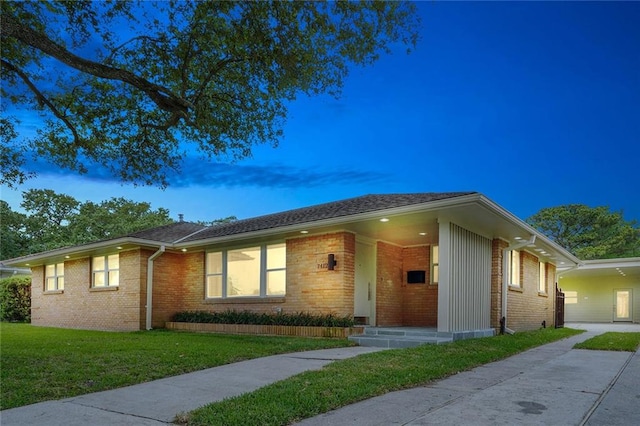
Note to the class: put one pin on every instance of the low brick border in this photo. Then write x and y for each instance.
(273, 330)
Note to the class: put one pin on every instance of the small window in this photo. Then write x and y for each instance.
(435, 264)
(570, 297)
(106, 271)
(542, 285)
(514, 268)
(54, 279)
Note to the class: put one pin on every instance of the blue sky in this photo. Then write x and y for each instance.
(534, 104)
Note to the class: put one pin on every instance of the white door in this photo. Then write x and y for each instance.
(365, 282)
(622, 305)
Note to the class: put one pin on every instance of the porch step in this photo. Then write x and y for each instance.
(400, 337)
(406, 337)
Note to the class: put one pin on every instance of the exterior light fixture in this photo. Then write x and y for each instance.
(331, 262)
(119, 247)
(184, 250)
(67, 257)
(304, 232)
(422, 233)
(384, 219)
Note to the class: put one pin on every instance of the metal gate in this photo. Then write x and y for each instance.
(559, 307)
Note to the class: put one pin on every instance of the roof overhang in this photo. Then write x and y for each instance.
(625, 267)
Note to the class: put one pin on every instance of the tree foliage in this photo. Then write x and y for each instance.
(589, 232)
(55, 220)
(124, 84)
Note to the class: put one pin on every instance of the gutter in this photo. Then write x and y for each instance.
(505, 280)
(149, 306)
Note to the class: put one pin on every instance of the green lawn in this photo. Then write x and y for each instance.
(345, 382)
(40, 363)
(612, 341)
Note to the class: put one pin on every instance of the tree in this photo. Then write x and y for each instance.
(13, 242)
(57, 220)
(589, 232)
(113, 218)
(123, 84)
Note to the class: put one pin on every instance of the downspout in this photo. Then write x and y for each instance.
(505, 281)
(149, 306)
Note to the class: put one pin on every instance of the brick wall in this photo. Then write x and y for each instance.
(80, 306)
(420, 301)
(497, 248)
(389, 273)
(311, 287)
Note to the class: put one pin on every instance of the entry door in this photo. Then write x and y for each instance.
(622, 305)
(365, 282)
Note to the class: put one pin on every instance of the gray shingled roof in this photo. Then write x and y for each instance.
(336, 209)
(169, 233)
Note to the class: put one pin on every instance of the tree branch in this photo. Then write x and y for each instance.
(43, 100)
(161, 96)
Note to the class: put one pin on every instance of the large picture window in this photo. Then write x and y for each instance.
(54, 279)
(106, 271)
(258, 271)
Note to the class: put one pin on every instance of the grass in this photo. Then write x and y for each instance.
(612, 341)
(345, 382)
(40, 364)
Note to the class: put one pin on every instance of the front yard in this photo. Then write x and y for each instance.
(40, 364)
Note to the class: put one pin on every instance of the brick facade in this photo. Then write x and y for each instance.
(527, 308)
(179, 284)
(80, 306)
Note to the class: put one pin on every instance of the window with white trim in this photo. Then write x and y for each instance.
(106, 271)
(542, 284)
(258, 271)
(514, 268)
(435, 264)
(54, 277)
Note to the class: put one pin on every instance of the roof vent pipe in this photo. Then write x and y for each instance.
(505, 280)
(149, 306)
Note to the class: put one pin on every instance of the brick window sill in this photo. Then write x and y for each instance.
(245, 300)
(515, 288)
(101, 289)
(48, 292)
(542, 294)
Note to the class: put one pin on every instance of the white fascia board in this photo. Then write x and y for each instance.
(507, 215)
(40, 258)
(337, 221)
(610, 263)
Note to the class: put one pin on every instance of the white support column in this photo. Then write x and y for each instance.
(444, 237)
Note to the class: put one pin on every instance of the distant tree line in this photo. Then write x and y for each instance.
(53, 220)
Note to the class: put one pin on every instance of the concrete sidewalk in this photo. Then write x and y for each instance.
(548, 385)
(552, 384)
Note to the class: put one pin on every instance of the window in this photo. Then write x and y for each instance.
(542, 284)
(435, 264)
(570, 297)
(54, 277)
(249, 272)
(514, 268)
(106, 271)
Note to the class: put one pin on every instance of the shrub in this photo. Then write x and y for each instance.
(247, 317)
(15, 299)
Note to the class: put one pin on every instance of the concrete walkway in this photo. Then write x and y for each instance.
(548, 385)
(551, 384)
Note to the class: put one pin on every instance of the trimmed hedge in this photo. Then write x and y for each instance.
(15, 299)
(247, 317)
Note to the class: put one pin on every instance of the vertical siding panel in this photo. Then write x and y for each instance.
(469, 304)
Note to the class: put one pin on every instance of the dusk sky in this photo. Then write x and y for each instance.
(533, 104)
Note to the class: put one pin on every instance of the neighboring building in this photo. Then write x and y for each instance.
(455, 261)
(602, 291)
